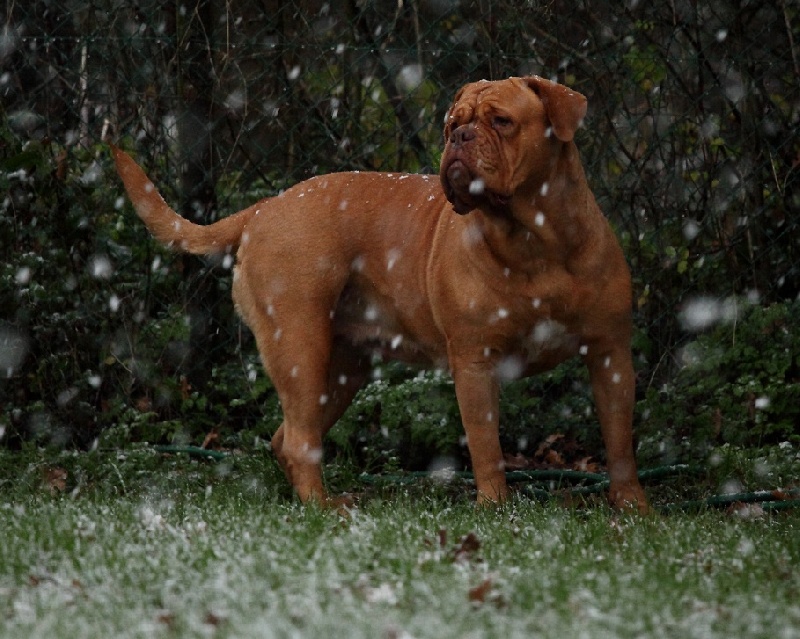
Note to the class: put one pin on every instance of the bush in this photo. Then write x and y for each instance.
(414, 417)
(93, 324)
(738, 383)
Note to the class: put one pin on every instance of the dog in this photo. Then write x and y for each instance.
(502, 266)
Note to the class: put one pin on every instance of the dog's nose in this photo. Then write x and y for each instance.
(462, 134)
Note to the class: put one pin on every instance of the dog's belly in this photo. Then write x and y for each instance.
(376, 341)
(384, 328)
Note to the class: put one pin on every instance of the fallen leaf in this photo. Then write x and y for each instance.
(212, 436)
(516, 462)
(186, 388)
(548, 443)
(55, 479)
(716, 420)
(586, 465)
(213, 619)
(466, 548)
(61, 166)
(554, 458)
(479, 593)
(485, 593)
(166, 617)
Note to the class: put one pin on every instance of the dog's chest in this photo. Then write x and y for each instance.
(532, 347)
(521, 334)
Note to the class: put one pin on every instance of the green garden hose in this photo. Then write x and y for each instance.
(558, 478)
(194, 451)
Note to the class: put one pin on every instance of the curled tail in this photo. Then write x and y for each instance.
(170, 228)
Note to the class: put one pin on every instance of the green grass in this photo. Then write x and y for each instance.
(143, 545)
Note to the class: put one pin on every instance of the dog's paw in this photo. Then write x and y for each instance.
(344, 505)
(628, 497)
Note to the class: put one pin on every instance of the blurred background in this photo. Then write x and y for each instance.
(690, 145)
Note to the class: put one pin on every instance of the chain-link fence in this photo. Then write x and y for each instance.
(690, 145)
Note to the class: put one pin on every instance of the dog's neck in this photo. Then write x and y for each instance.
(548, 222)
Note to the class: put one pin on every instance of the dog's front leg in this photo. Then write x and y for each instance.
(477, 392)
(613, 387)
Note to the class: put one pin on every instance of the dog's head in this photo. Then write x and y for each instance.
(501, 136)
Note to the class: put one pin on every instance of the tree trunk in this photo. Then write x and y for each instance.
(194, 30)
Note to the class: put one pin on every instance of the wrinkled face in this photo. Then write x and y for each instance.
(502, 136)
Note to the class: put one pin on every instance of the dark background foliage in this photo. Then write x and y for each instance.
(690, 145)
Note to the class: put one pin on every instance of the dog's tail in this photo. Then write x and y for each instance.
(170, 228)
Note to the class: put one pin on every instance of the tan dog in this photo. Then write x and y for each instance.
(524, 274)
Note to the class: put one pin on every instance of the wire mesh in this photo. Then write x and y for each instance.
(690, 143)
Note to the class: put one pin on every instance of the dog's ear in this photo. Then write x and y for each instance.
(565, 108)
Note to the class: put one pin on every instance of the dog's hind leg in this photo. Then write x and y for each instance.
(297, 358)
(292, 320)
(347, 371)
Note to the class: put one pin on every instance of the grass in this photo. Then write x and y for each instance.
(145, 545)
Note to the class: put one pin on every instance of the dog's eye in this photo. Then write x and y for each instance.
(501, 122)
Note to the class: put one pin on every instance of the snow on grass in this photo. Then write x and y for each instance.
(179, 558)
